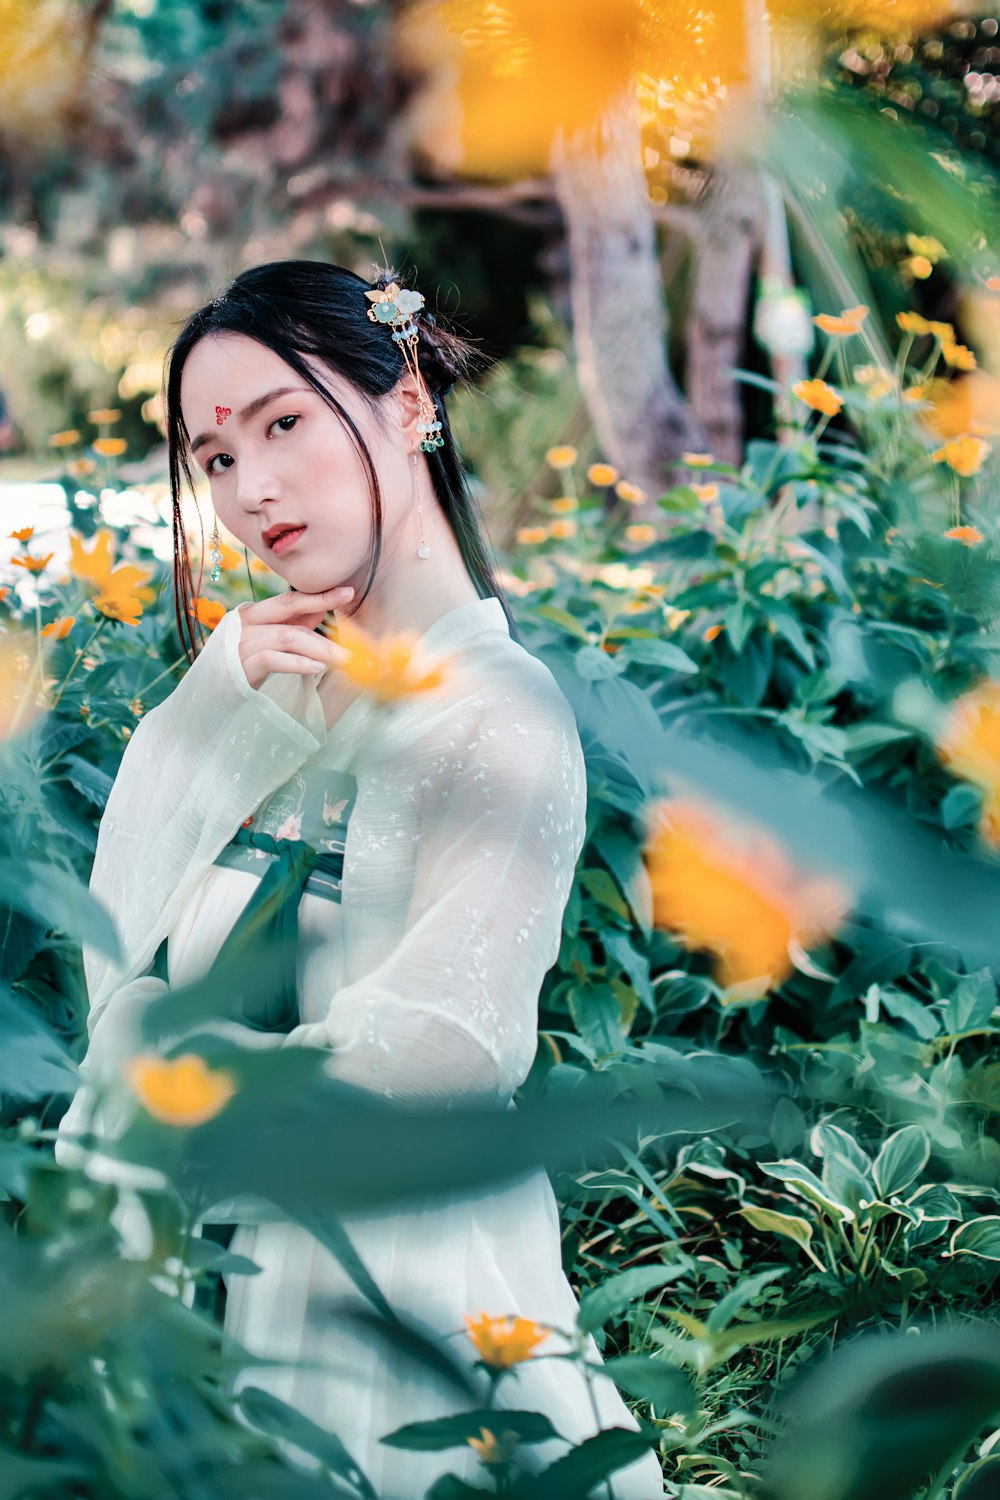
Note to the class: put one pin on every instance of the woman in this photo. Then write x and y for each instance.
(448, 827)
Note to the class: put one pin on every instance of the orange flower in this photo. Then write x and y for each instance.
(911, 322)
(183, 1091)
(602, 474)
(969, 745)
(33, 564)
(562, 529)
(697, 460)
(208, 611)
(81, 467)
(965, 455)
(24, 535)
(493, 1450)
(706, 492)
(503, 1342)
(958, 356)
(819, 395)
(969, 536)
(711, 632)
(109, 447)
(918, 266)
(104, 414)
(59, 629)
(532, 534)
(384, 666)
(846, 323)
(93, 565)
(230, 558)
(64, 439)
(630, 493)
(563, 457)
(4, 592)
(734, 894)
(564, 504)
(641, 531)
(968, 406)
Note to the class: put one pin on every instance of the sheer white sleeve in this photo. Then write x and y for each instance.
(452, 1009)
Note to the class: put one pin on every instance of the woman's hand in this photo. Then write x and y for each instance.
(279, 634)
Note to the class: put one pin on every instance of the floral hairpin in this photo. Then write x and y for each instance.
(398, 306)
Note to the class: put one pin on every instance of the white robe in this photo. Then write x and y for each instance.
(460, 853)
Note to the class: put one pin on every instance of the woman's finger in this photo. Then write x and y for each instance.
(294, 604)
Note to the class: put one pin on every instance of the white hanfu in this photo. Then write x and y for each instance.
(422, 983)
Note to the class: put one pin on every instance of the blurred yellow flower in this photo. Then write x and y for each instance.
(64, 439)
(493, 1450)
(630, 493)
(602, 474)
(712, 632)
(845, 323)
(93, 565)
(503, 1342)
(562, 530)
(967, 406)
(926, 244)
(24, 535)
(32, 564)
(911, 322)
(19, 683)
(706, 492)
(563, 457)
(918, 266)
(734, 893)
(697, 460)
(820, 396)
(59, 629)
(103, 415)
(564, 504)
(958, 356)
(532, 534)
(969, 536)
(641, 531)
(385, 666)
(676, 618)
(969, 745)
(81, 467)
(183, 1091)
(964, 454)
(230, 558)
(109, 447)
(208, 611)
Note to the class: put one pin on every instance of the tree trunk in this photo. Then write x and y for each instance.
(619, 315)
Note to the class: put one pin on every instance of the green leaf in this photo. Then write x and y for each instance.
(790, 1226)
(599, 884)
(739, 1296)
(563, 617)
(981, 1481)
(657, 654)
(652, 1379)
(618, 1292)
(979, 1237)
(59, 901)
(578, 1471)
(800, 1180)
(439, 1433)
(901, 1159)
(277, 1419)
(596, 1012)
(592, 663)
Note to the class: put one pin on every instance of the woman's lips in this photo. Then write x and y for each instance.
(287, 539)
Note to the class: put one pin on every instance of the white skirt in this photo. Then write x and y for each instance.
(497, 1251)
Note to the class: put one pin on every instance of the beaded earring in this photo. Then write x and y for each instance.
(215, 556)
(398, 307)
(423, 550)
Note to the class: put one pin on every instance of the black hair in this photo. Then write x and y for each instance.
(307, 307)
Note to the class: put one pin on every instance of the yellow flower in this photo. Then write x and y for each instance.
(531, 534)
(81, 467)
(184, 1091)
(964, 454)
(59, 628)
(208, 611)
(943, 331)
(64, 439)
(564, 504)
(819, 395)
(993, 283)
(925, 244)
(969, 536)
(24, 535)
(19, 696)
(968, 406)
(846, 323)
(917, 392)
(697, 460)
(384, 666)
(911, 322)
(602, 474)
(877, 381)
(492, 1450)
(706, 492)
(958, 356)
(919, 266)
(109, 447)
(641, 531)
(33, 564)
(563, 457)
(91, 566)
(630, 493)
(735, 895)
(676, 618)
(102, 415)
(562, 529)
(711, 632)
(503, 1342)
(969, 745)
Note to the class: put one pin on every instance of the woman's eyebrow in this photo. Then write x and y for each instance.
(250, 410)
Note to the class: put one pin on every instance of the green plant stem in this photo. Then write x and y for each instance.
(81, 652)
(147, 686)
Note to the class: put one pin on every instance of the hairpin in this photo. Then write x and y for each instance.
(398, 307)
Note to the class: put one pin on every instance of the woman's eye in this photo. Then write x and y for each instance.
(278, 421)
(214, 460)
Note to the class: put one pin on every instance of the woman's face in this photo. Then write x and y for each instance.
(277, 456)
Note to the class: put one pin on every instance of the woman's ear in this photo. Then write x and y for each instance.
(406, 392)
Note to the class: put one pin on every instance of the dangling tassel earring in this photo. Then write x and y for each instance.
(215, 556)
(423, 550)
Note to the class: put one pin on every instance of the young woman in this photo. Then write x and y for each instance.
(447, 826)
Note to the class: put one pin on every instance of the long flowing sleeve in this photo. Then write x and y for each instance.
(451, 1009)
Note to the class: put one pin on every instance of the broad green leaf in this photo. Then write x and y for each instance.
(789, 1225)
(800, 1180)
(593, 1460)
(979, 1237)
(57, 899)
(563, 617)
(901, 1159)
(652, 1379)
(619, 1292)
(276, 1418)
(439, 1433)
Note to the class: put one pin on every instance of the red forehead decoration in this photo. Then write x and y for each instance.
(221, 413)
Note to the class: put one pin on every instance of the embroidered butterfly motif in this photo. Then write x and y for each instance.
(221, 413)
(333, 811)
